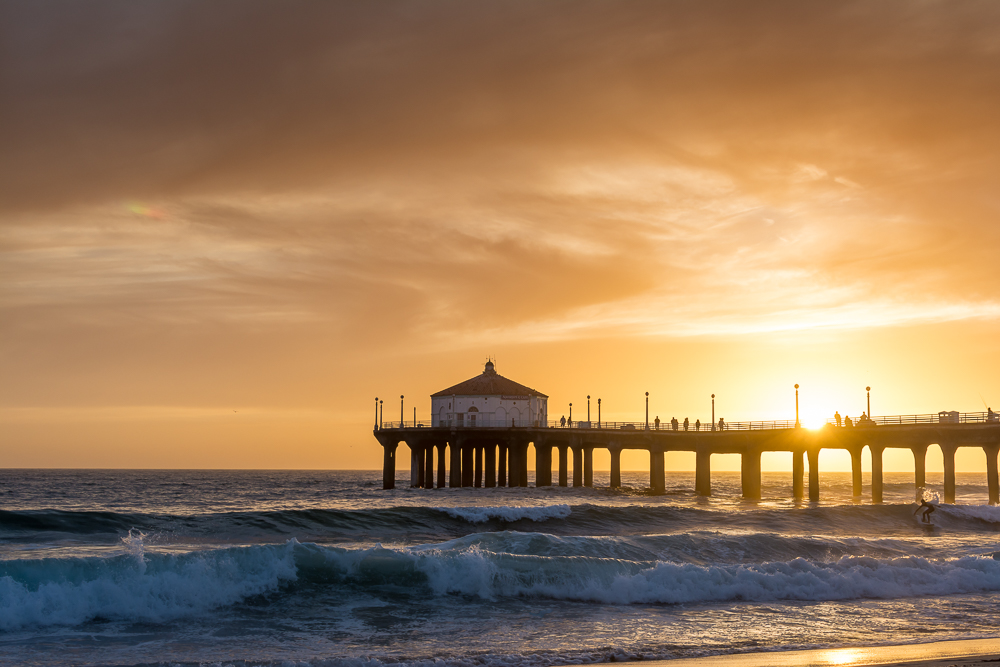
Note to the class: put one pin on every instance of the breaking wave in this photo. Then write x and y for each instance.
(140, 586)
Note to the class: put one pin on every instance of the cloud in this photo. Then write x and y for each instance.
(425, 173)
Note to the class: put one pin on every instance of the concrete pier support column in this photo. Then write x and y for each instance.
(703, 472)
(416, 463)
(455, 479)
(513, 467)
(813, 455)
(876, 473)
(919, 467)
(543, 465)
(657, 482)
(856, 472)
(468, 470)
(750, 473)
(992, 480)
(502, 464)
(563, 466)
(798, 475)
(616, 468)
(442, 471)
(429, 467)
(388, 467)
(577, 466)
(491, 466)
(949, 472)
(588, 466)
(522, 463)
(478, 482)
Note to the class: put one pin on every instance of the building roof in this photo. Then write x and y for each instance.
(489, 383)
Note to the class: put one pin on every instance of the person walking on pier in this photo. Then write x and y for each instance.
(836, 417)
(562, 421)
(686, 423)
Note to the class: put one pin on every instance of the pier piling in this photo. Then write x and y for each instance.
(798, 474)
(949, 472)
(876, 473)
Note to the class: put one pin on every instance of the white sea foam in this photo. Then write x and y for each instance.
(505, 513)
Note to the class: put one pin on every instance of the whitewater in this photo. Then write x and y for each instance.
(326, 568)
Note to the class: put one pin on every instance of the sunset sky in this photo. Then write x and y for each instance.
(226, 227)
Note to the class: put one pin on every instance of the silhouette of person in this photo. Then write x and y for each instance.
(836, 417)
(863, 419)
(562, 421)
(927, 508)
(697, 425)
(657, 422)
(686, 422)
(847, 421)
(722, 424)
(673, 423)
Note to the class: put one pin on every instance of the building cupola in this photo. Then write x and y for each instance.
(489, 369)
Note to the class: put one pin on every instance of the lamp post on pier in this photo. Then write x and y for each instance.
(380, 413)
(647, 410)
(376, 413)
(868, 391)
(713, 412)
(401, 424)
(588, 409)
(797, 406)
(571, 415)
(598, 413)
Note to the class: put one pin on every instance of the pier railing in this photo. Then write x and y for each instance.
(945, 417)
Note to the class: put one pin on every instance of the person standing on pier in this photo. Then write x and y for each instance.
(697, 425)
(562, 421)
(673, 423)
(657, 422)
(847, 421)
(686, 423)
(722, 424)
(836, 417)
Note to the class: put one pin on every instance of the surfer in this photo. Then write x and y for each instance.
(927, 508)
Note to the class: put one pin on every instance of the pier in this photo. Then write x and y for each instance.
(488, 454)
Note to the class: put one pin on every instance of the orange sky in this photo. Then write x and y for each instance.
(225, 228)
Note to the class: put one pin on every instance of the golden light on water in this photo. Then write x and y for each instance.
(843, 657)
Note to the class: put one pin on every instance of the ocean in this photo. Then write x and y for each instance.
(118, 567)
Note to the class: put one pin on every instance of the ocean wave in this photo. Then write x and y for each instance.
(136, 586)
(433, 524)
(507, 514)
(139, 586)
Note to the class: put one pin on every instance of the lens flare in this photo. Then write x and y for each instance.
(144, 211)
